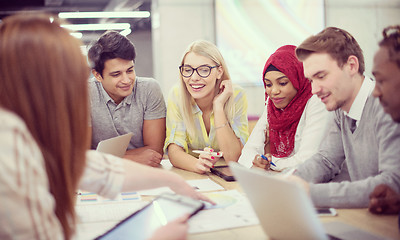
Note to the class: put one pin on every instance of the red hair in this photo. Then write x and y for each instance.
(43, 78)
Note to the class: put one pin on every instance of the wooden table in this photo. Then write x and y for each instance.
(384, 225)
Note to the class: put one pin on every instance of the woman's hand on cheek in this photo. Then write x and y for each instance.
(225, 91)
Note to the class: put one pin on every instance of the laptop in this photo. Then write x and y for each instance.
(116, 146)
(285, 211)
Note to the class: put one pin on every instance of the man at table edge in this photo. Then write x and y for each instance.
(386, 70)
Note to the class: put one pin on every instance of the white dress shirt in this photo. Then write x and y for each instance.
(27, 207)
(357, 107)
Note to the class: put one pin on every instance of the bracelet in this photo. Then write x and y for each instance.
(223, 125)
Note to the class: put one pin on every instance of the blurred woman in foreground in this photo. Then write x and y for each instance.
(44, 137)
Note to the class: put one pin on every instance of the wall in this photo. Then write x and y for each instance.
(144, 53)
(175, 24)
(365, 20)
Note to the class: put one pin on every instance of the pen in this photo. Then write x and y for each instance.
(265, 158)
(214, 154)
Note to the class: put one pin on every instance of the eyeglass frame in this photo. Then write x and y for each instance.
(195, 69)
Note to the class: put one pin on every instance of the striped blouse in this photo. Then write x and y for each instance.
(26, 205)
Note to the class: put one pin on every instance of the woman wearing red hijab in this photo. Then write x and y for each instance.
(294, 121)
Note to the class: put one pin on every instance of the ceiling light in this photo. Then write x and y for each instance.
(77, 34)
(135, 14)
(94, 27)
(125, 32)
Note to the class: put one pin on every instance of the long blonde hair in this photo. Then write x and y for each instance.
(209, 50)
(43, 79)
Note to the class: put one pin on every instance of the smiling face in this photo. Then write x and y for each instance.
(329, 82)
(118, 78)
(279, 88)
(387, 87)
(201, 88)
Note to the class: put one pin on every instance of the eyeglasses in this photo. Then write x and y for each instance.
(203, 70)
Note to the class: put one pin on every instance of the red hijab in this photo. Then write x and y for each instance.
(283, 123)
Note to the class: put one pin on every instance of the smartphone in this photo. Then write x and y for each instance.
(223, 172)
(326, 212)
(143, 223)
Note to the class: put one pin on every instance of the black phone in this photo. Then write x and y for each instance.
(223, 172)
(326, 212)
(143, 223)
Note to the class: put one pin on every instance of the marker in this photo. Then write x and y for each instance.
(265, 158)
(214, 154)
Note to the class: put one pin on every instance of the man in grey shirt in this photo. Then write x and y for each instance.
(121, 102)
(362, 149)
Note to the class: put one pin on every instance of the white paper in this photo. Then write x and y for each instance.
(107, 212)
(155, 191)
(201, 185)
(96, 214)
(166, 164)
(232, 210)
(84, 197)
(91, 207)
(205, 185)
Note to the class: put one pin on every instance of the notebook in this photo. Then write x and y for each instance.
(116, 146)
(285, 211)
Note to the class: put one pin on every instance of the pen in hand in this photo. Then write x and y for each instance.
(265, 158)
(214, 154)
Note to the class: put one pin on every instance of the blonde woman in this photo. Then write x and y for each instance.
(205, 111)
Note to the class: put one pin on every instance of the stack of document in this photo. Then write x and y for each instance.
(232, 209)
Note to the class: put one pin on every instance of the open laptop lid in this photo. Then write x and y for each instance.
(283, 208)
(116, 146)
